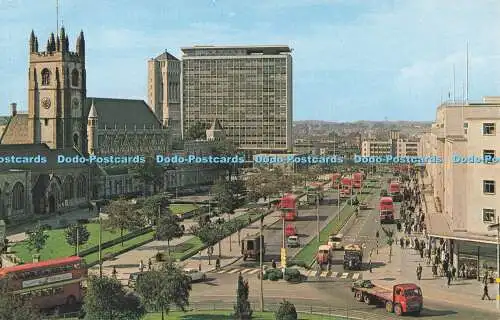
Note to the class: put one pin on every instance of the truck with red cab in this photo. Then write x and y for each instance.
(404, 298)
(324, 255)
(394, 190)
(386, 207)
(336, 180)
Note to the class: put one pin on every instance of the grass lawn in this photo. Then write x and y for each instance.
(179, 208)
(226, 315)
(57, 247)
(92, 258)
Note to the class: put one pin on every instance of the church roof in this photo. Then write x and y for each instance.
(166, 56)
(33, 150)
(216, 125)
(123, 112)
(16, 131)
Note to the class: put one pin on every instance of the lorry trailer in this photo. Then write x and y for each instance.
(403, 299)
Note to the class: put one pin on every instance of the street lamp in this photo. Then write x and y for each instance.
(317, 216)
(496, 226)
(261, 263)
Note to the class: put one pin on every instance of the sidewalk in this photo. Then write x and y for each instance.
(403, 267)
(229, 257)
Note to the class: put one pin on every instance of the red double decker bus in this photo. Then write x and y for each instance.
(47, 284)
(288, 206)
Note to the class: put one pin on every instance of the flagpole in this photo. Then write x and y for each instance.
(467, 74)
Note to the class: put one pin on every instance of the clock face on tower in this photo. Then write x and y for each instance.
(46, 103)
(76, 103)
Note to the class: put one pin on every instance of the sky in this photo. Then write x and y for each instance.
(352, 59)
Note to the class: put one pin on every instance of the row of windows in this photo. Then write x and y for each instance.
(489, 215)
(488, 128)
(45, 272)
(488, 186)
(47, 75)
(42, 293)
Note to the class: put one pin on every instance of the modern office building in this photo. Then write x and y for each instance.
(164, 90)
(464, 191)
(394, 146)
(247, 88)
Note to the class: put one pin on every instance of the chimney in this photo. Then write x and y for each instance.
(13, 108)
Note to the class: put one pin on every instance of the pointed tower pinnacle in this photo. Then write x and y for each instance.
(80, 44)
(32, 41)
(52, 42)
(93, 111)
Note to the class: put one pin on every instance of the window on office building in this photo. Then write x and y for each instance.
(488, 155)
(488, 186)
(488, 129)
(489, 215)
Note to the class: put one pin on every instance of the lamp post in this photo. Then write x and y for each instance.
(261, 263)
(497, 227)
(317, 216)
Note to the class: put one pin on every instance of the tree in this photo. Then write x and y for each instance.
(150, 174)
(12, 307)
(107, 299)
(238, 226)
(286, 311)
(168, 229)
(123, 215)
(390, 240)
(164, 288)
(242, 308)
(37, 238)
(197, 131)
(226, 148)
(155, 206)
(209, 234)
(226, 195)
(77, 235)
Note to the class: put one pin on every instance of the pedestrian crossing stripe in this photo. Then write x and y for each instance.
(310, 273)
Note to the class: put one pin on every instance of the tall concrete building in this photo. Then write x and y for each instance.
(394, 146)
(164, 90)
(247, 88)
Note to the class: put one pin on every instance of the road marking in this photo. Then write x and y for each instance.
(245, 271)
(334, 274)
(344, 275)
(234, 271)
(222, 271)
(309, 273)
(355, 276)
(324, 273)
(254, 271)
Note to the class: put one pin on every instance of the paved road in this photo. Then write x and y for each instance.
(327, 297)
(306, 225)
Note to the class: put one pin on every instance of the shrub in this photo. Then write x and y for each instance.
(292, 275)
(159, 257)
(274, 274)
(286, 311)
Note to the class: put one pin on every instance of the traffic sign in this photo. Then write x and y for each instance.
(283, 257)
(498, 280)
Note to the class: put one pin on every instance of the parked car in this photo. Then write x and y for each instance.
(293, 242)
(195, 275)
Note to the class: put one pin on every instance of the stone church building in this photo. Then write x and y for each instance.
(62, 120)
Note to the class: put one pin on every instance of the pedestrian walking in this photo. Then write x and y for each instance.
(273, 264)
(217, 264)
(448, 276)
(150, 264)
(419, 272)
(454, 273)
(485, 292)
(141, 266)
(114, 272)
(421, 253)
(402, 242)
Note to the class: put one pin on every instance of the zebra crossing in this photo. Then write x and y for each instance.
(310, 274)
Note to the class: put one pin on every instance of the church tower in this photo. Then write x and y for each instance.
(57, 92)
